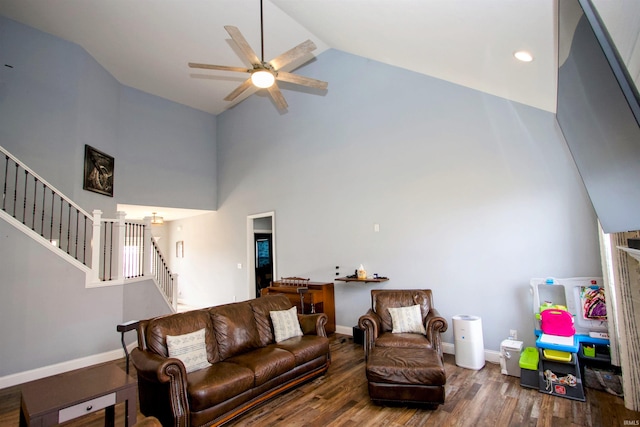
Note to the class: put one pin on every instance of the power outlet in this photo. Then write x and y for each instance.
(513, 334)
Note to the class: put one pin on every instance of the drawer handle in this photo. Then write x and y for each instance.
(90, 407)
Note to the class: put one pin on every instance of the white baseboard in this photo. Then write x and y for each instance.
(344, 330)
(490, 356)
(58, 368)
(46, 371)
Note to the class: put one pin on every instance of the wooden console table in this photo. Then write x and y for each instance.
(53, 400)
(319, 298)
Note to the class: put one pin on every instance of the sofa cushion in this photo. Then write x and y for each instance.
(285, 324)
(190, 349)
(235, 328)
(180, 324)
(266, 363)
(401, 298)
(306, 347)
(389, 339)
(216, 384)
(261, 308)
(406, 319)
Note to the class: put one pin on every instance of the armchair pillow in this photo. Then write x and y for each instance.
(285, 324)
(407, 319)
(190, 349)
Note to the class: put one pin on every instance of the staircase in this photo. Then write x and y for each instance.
(110, 251)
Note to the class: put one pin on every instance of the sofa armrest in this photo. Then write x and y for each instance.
(370, 323)
(435, 324)
(155, 372)
(313, 324)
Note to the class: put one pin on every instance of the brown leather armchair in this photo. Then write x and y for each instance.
(377, 326)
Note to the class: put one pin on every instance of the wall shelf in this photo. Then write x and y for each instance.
(352, 279)
(633, 252)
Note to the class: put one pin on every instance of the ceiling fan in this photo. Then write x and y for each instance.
(263, 75)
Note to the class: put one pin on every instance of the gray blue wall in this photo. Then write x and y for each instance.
(45, 319)
(57, 98)
(475, 195)
(54, 100)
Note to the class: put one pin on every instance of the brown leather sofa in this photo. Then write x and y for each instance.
(405, 366)
(247, 365)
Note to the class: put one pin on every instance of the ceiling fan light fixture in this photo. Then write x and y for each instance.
(262, 79)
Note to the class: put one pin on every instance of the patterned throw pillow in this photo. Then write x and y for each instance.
(407, 319)
(285, 324)
(190, 348)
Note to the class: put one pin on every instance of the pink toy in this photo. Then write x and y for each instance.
(557, 322)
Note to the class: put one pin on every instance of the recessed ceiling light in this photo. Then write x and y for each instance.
(523, 56)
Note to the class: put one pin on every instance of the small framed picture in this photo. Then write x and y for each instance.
(180, 249)
(98, 171)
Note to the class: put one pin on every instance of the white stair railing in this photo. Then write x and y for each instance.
(126, 250)
(38, 206)
(109, 250)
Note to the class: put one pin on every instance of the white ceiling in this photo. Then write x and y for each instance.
(146, 44)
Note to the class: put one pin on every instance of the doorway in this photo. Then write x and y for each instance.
(261, 252)
(264, 261)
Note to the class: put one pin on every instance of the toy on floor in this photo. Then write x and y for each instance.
(551, 378)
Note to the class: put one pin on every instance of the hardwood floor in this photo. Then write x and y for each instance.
(340, 398)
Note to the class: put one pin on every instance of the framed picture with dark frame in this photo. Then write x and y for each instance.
(98, 171)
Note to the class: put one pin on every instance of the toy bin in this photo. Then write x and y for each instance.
(560, 356)
(595, 355)
(529, 368)
(560, 379)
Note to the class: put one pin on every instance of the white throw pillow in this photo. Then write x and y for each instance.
(407, 319)
(190, 348)
(285, 324)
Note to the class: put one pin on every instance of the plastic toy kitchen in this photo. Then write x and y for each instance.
(570, 322)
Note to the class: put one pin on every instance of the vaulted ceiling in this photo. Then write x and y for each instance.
(146, 44)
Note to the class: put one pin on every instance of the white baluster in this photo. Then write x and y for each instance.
(174, 291)
(119, 249)
(148, 244)
(95, 246)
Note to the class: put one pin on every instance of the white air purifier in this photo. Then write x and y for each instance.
(468, 341)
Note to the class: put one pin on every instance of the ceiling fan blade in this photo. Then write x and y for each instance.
(237, 91)
(292, 54)
(244, 95)
(301, 80)
(242, 43)
(277, 96)
(217, 67)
